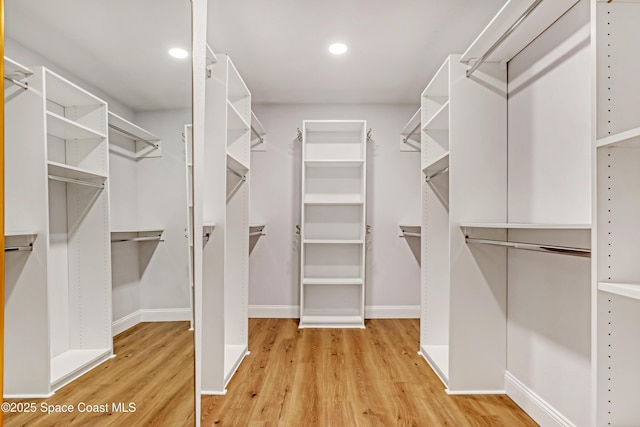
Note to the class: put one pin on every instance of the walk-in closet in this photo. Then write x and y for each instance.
(320, 213)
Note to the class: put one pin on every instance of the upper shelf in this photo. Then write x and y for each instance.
(540, 18)
(73, 172)
(629, 138)
(132, 131)
(66, 129)
(334, 163)
(525, 226)
(62, 92)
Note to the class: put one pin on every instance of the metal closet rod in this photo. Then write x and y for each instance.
(406, 138)
(77, 181)
(440, 172)
(139, 239)
(564, 250)
(242, 177)
(411, 234)
(19, 248)
(23, 85)
(502, 38)
(257, 134)
(132, 136)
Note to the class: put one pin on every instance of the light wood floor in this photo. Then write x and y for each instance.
(345, 378)
(153, 369)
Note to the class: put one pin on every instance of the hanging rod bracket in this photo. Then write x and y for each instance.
(299, 135)
(369, 135)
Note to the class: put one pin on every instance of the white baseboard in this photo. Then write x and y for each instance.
(370, 312)
(392, 312)
(28, 396)
(213, 393)
(537, 408)
(150, 315)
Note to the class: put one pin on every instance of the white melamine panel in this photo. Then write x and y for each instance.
(333, 261)
(336, 145)
(550, 124)
(332, 299)
(339, 181)
(333, 222)
(549, 322)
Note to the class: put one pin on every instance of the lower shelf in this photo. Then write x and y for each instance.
(438, 358)
(72, 363)
(331, 321)
(233, 356)
(629, 290)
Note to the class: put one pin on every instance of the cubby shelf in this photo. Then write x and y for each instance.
(66, 129)
(629, 138)
(437, 164)
(333, 242)
(72, 172)
(440, 120)
(331, 281)
(630, 290)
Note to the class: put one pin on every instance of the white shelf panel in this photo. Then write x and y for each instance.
(15, 70)
(545, 14)
(526, 226)
(233, 356)
(334, 163)
(25, 234)
(132, 131)
(334, 125)
(66, 129)
(629, 138)
(333, 199)
(332, 281)
(234, 119)
(72, 172)
(630, 290)
(438, 164)
(71, 362)
(236, 165)
(440, 120)
(64, 93)
(138, 230)
(438, 358)
(333, 242)
(337, 321)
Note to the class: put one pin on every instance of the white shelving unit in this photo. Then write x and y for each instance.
(463, 311)
(616, 279)
(333, 224)
(225, 201)
(57, 152)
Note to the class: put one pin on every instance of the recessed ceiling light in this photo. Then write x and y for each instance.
(338, 48)
(176, 52)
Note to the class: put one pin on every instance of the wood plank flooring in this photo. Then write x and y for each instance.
(153, 369)
(346, 377)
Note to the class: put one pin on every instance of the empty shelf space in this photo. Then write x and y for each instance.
(629, 138)
(66, 129)
(438, 358)
(630, 290)
(132, 131)
(334, 163)
(235, 121)
(72, 363)
(236, 166)
(333, 242)
(67, 94)
(440, 120)
(333, 199)
(233, 355)
(437, 165)
(332, 281)
(72, 172)
(525, 226)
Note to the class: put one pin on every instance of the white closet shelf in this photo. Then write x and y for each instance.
(235, 121)
(439, 84)
(332, 281)
(22, 234)
(629, 138)
(410, 230)
(630, 290)
(66, 129)
(410, 132)
(73, 363)
(437, 165)
(525, 226)
(333, 199)
(438, 358)
(332, 321)
(333, 242)
(236, 165)
(72, 172)
(324, 126)
(62, 92)
(440, 120)
(319, 163)
(545, 14)
(132, 131)
(141, 235)
(257, 230)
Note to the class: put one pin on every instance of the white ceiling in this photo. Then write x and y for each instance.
(119, 46)
(395, 46)
(279, 46)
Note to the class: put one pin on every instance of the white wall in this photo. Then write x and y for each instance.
(549, 122)
(393, 184)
